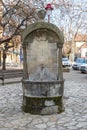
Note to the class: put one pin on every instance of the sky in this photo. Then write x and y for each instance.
(56, 16)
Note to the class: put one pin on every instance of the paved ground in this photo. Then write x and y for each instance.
(74, 117)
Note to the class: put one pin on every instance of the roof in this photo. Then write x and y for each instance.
(84, 45)
(81, 38)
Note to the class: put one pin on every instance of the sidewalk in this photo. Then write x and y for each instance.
(10, 80)
(74, 117)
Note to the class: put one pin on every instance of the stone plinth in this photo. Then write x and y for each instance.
(42, 97)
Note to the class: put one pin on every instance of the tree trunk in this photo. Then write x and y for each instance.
(0, 58)
(4, 60)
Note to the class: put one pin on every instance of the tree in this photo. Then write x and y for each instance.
(16, 15)
(74, 16)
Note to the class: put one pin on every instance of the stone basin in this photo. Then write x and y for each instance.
(42, 97)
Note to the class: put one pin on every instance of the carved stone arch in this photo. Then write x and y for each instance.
(59, 38)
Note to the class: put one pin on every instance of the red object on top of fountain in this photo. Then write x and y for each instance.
(49, 7)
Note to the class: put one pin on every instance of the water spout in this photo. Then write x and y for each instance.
(42, 74)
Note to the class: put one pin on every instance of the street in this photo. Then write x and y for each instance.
(75, 76)
(75, 102)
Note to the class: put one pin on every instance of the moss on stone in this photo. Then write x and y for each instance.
(34, 105)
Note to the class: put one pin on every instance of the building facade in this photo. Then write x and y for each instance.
(81, 45)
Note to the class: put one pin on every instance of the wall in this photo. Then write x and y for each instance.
(83, 52)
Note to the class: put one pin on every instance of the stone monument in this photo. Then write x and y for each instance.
(43, 82)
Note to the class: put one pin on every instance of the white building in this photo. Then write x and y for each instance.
(81, 45)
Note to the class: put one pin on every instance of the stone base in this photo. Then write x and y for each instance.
(43, 105)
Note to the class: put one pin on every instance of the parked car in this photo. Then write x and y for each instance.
(79, 61)
(65, 62)
(83, 67)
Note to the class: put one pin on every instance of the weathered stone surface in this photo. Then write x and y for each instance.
(43, 25)
(41, 126)
(42, 75)
(49, 110)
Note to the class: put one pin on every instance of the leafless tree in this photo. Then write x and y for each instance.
(17, 14)
(71, 19)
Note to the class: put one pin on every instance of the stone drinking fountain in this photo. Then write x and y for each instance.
(43, 82)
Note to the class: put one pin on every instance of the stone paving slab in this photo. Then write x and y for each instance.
(74, 117)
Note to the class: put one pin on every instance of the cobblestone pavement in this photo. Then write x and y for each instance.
(75, 102)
